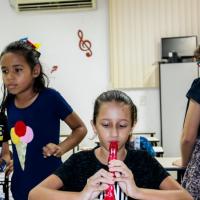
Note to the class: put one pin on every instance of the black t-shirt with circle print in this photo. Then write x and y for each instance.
(75, 171)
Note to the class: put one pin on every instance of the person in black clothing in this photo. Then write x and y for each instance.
(5, 158)
(190, 138)
(87, 174)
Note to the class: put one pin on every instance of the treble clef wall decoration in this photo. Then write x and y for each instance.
(84, 45)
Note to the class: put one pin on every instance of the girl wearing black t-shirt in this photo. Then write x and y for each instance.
(87, 174)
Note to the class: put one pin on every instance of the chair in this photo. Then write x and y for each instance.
(142, 143)
(6, 183)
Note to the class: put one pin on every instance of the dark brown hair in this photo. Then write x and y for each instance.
(31, 55)
(117, 96)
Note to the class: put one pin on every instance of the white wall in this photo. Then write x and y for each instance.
(148, 104)
(79, 78)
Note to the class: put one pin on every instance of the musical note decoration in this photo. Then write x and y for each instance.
(84, 45)
(54, 68)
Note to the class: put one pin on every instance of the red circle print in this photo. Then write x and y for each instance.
(20, 128)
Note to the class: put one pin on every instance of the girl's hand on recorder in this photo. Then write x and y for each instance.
(97, 183)
(124, 177)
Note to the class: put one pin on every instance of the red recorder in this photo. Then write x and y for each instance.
(110, 192)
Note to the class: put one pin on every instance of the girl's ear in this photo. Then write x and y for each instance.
(36, 70)
(93, 126)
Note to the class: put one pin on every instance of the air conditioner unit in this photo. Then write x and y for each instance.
(38, 5)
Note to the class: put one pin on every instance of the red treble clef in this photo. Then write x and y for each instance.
(84, 45)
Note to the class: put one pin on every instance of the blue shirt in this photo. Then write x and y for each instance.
(42, 125)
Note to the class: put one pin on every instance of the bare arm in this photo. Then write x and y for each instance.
(79, 131)
(5, 153)
(169, 189)
(190, 131)
(48, 190)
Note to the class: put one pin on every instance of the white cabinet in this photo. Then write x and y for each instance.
(175, 80)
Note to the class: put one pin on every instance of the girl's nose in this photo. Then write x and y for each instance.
(114, 132)
(10, 76)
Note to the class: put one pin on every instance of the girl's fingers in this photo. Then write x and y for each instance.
(117, 174)
(102, 187)
(102, 173)
(101, 177)
(57, 151)
(102, 180)
(46, 151)
(119, 168)
(51, 149)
